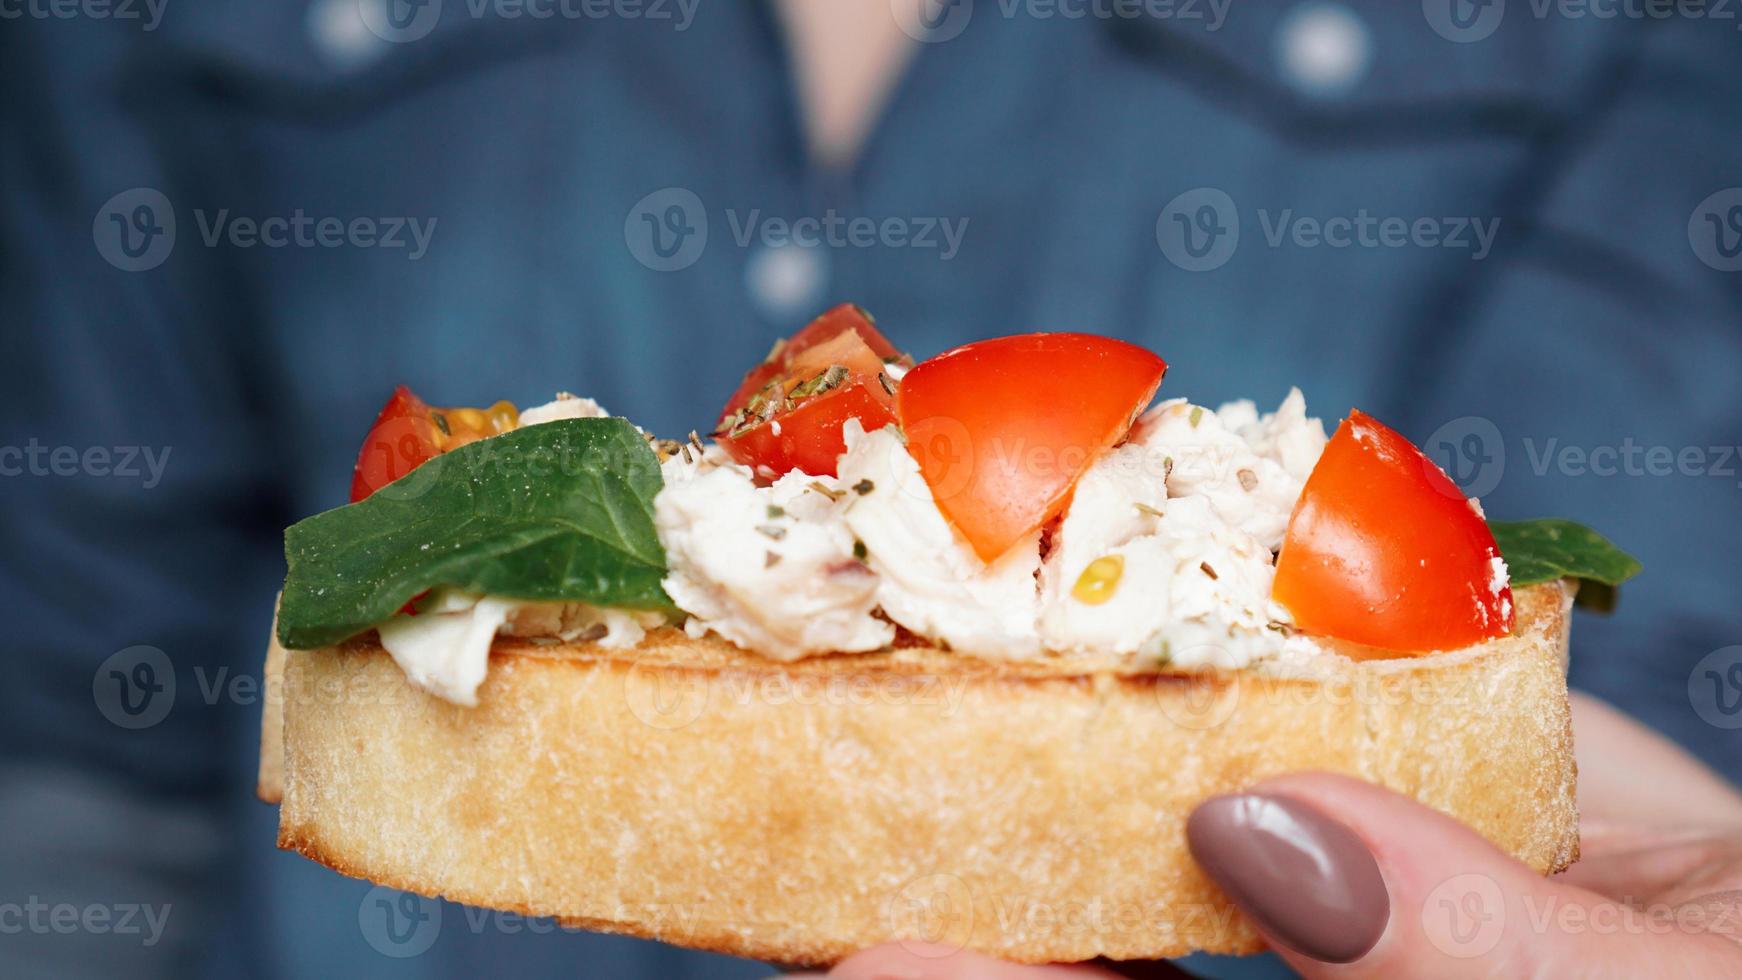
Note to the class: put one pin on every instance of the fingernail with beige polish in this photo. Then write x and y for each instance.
(1305, 879)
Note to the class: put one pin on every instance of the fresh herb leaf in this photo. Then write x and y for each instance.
(561, 511)
(1545, 550)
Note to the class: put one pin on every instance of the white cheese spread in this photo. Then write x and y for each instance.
(770, 568)
(1191, 509)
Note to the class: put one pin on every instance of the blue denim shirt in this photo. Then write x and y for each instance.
(224, 239)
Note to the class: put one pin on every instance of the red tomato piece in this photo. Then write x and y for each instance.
(1003, 429)
(833, 322)
(788, 412)
(1384, 550)
(403, 437)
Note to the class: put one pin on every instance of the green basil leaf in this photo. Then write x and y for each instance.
(561, 511)
(1545, 550)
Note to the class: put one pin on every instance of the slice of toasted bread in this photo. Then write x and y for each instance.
(689, 792)
(269, 784)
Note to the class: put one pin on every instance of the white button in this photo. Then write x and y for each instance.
(788, 281)
(339, 35)
(1323, 49)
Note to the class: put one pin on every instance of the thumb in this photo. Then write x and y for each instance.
(1349, 880)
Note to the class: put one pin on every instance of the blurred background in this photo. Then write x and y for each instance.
(1511, 230)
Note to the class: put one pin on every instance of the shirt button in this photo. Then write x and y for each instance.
(1323, 49)
(787, 282)
(337, 32)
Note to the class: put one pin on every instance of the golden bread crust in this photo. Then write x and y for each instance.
(689, 792)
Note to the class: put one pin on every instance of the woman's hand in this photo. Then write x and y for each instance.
(1346, 879)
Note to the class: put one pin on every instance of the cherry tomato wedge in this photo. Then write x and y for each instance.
(408, 433)
(1384, 550)
(402, 439)
(788, 412)
(1003, 429)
